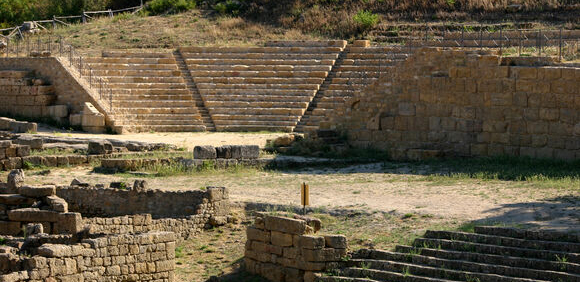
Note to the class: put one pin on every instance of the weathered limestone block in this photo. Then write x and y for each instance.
(281, 239)
(11, 228)
(310, 242)
(34, 228)
(37, 191)
(57, 204)
(15, 200)
(285, 225)
(204, 152)
(34, 143)
(58, 111)
(100, 147)
(68, 223)
(23, 126)
(326, 254)
(255, 234)
(33, 215)
(336, 241)
(15, 180)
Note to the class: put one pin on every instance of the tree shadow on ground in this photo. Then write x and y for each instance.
(555, 214)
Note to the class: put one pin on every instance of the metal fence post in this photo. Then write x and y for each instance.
(500, 40)
(462, 36)
(520, 43)
(480, 36)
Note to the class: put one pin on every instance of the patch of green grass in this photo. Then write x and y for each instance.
(179, 252)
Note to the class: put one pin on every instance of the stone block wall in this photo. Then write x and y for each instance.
(11, 154)
(467, 103)
(23, 94)
(35, 204)
(108, 202)
(284, 249)
(68, 89)
(125, 257)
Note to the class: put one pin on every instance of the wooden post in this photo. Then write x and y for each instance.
(84, 17)
(305, 196)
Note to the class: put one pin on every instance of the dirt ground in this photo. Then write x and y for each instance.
(373, 188)
(180, 139)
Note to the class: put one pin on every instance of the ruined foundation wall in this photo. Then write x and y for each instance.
(126, 257)
(467, 103)
(284, 249)
(22, 94)
(107, 202)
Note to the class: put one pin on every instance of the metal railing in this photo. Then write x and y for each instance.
(564, 44)
(47, 46)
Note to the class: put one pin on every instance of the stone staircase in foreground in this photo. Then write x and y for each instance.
(356, 68)
(149, 92)
(260, 88)
(491, 254)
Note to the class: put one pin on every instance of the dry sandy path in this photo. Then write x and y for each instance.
(181, 139)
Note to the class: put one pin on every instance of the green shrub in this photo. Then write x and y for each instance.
(366, 19)
(228, 7)
(157, 7)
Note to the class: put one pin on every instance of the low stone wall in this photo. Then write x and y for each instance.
(11, 155)
(185, 228)
(126, 257)
(107, 202)
(284, 249)
(9, 124)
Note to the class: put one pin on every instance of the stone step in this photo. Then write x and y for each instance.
(256, 104)
(283, 50)
(433, 272)
(257, 80)
(258, 92)
(143, 79)
(151, 97)
(343, 279)
(269, 56)
(382, 275)
(257, 86)
(256, 62)
(232, 73)
(494, 259)
(145, 91)
(307, 43)
(250, 117)
(167, 128)
(464, 265)
(306, 128)
(527, 234)
(138, 73)
(378, 55)
(127, 60)
(257, 98)
(156, 110)
(243, 128)
(505, 241)
(159, 117)
(229, 122)
(166, 122)
(107, 66)
(496, 250)
(257, 111)
(205, 67)
(152, 103)
(167, 86)
(122, 54)
(383, 49)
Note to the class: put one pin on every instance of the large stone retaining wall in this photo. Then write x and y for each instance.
(126, 257)
(468, 103)
(68, 89)
(23, 94)
(286, 249)
(92, 201)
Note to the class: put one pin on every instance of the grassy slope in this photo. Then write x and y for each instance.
(185, 29)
